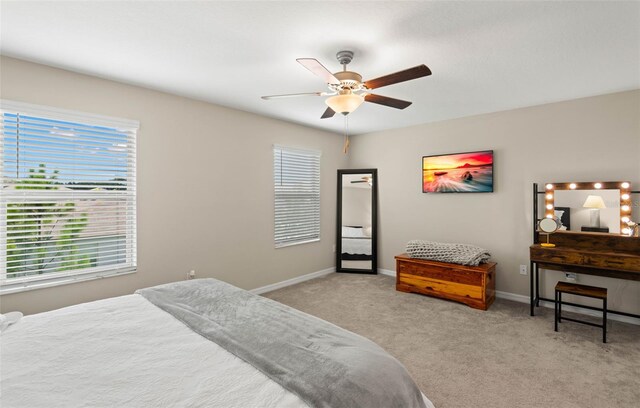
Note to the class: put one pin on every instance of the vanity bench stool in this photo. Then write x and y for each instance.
(581, 290)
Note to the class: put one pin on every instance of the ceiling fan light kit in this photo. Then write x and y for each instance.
(344, 103)
(347, 91)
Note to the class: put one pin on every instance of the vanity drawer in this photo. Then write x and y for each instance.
(552, 255)
(622, 262)
(602, 260)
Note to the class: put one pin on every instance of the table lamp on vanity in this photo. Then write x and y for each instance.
(595, 203)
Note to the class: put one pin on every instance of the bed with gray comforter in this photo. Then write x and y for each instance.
(324, 365)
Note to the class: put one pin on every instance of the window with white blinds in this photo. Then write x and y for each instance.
(297, 195)
(67, 198)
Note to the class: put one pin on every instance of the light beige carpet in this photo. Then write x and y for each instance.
(462, 357)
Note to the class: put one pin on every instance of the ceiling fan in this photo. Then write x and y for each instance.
(347, 91)
(364, 179)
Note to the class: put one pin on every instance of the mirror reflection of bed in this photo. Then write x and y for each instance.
(356, 222)
(356, 247)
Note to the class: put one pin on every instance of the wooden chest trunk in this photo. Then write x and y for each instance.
(474, 286)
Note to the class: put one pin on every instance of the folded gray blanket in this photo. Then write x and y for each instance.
(452, 253)
(324, 365)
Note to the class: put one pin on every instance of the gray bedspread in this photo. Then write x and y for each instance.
(324, 365)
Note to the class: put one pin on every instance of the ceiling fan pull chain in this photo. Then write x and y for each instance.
(345, 149)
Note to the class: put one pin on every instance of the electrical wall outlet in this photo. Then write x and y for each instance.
(523, 269)
(571, 277)
(191, 274)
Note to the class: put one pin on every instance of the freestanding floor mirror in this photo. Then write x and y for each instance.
(357, 226)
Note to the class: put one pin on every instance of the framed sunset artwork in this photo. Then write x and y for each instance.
(458, 173)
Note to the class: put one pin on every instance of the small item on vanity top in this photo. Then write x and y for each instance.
(548, 226)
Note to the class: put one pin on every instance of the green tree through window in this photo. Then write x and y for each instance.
(41, 235)
(67, 196)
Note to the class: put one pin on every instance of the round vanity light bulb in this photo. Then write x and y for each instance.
(549, 206)
(572, 186)
(549, 215)
(624, 219)
(625, 208)
(598, 185)
(549, 196)
(549, 186)
(625, 196)
(624, 185)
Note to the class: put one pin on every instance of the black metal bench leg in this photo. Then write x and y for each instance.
(555, 311)
(537, 286)
(559, 307)
(531, 290)
(604, 320)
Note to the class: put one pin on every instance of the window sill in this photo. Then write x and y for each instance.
(297, 243)
(17, 287)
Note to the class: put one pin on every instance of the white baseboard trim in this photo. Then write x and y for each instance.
(292, 281)
(387, 272)
(610, 316)
(525, 299)
(512, 296)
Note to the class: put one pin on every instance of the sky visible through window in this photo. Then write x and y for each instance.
(68, 196)
(82, 154)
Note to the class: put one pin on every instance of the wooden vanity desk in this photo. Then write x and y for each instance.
(608, 255)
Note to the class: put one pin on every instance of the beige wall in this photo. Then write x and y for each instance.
(587, 139)
(356, 206)
(196, 158)
(205, 186)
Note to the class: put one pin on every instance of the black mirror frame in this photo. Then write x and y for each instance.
(374, 222)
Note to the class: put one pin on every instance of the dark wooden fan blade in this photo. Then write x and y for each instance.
(318, 69)
(401, 76)
(327, 114)
(386, 101)
(292, 95)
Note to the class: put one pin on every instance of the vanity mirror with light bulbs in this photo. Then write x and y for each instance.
(584, 228)
(598, 207)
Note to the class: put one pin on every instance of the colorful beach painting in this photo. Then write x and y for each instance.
(458, 173)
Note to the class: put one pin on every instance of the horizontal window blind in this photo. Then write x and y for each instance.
(68, 194)
(297, 195)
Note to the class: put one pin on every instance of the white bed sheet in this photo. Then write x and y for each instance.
(356, 246)
(125, 352)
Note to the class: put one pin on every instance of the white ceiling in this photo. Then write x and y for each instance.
(485, 56)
